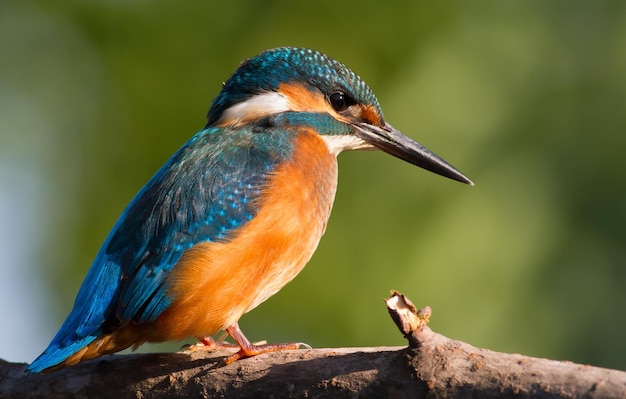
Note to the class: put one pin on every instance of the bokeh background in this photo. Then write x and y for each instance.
(528, 98)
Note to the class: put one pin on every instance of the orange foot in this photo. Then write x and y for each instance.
(248, 349)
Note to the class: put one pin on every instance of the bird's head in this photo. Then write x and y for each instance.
(298, 80)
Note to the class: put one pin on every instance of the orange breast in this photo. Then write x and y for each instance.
(214, 284)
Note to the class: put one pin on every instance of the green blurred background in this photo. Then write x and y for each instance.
(528, 98)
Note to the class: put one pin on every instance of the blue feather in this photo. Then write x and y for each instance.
(268, 70)
(205, 192)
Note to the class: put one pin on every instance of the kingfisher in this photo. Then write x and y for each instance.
(234, 214)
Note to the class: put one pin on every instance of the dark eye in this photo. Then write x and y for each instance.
(340, 101)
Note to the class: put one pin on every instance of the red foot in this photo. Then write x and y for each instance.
(248, 349)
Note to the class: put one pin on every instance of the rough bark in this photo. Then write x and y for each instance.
(431, 366)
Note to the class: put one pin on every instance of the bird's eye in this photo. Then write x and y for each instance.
(340, 101)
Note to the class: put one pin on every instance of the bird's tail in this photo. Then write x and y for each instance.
(56, 356)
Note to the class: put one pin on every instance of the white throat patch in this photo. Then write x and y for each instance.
(339, 143)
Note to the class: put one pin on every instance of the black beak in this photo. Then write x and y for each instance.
(393, 142)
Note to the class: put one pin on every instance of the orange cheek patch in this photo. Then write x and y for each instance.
(304, 100)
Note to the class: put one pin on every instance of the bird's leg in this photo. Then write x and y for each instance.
(249, 349)
(210, 344)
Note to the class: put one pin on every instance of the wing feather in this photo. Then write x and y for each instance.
(205, 192)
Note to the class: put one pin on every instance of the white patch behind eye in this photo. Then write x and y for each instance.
(255, 107)
(271, 102)
(339, 143)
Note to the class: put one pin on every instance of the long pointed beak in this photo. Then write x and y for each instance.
(393, 142)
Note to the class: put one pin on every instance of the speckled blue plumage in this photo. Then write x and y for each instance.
(203, 193)
(269, 69)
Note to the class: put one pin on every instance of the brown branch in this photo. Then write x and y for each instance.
(432, 366)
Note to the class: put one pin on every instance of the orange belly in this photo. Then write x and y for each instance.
(215, 283)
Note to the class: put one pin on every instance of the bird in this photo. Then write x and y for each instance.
(234, 214)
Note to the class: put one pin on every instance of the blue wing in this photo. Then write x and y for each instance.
(204, 192)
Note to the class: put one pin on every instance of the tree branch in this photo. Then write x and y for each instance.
(432, 365)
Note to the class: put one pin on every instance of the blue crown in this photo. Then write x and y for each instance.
(268, 70)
